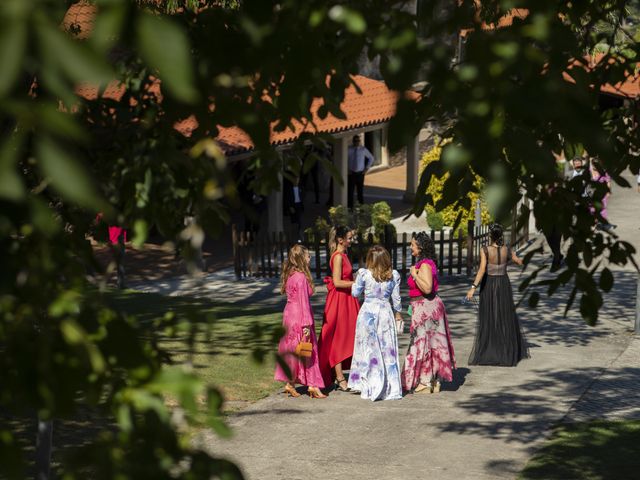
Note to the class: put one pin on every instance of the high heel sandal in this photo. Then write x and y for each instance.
(423, 388)
(291, 391)
(436, 387)
(315, 393)
(339, 384)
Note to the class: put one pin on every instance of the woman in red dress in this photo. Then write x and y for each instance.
(335, 347)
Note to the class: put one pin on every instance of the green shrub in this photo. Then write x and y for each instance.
(339, 215)
(380, 216)
(364, 219)
(434, 219)
(450, 213)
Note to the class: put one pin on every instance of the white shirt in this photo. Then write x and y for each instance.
(296, 195)
(360, 159)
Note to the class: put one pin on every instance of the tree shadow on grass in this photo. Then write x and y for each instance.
(593, 450)
(527, 416)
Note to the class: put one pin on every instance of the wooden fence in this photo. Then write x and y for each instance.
(262, 255)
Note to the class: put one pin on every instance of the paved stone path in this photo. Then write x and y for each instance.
(484, 425)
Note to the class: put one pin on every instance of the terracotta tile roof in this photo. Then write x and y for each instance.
(629, 88)
(504, 21)
(375, 105)
(79, 19)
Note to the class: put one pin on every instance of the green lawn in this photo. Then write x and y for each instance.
(588, 451)
(218, 341)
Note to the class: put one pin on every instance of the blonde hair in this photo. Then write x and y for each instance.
(379, 263)
(295, 262)
(336, 233)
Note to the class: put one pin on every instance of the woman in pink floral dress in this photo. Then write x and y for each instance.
(299, 326)
(430, 357)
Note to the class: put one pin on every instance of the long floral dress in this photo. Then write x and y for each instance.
(374, 366)
(297, 315)
(430, 355)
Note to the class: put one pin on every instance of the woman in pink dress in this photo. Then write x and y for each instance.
(299, 326)
(600, 176)
(430, 357)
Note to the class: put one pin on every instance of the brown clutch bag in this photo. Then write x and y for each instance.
(304, 349)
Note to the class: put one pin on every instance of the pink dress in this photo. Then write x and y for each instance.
(605, 200)
(297, 315)
(430, 355)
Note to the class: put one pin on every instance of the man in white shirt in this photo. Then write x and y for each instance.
(360, 161)
(581, 170)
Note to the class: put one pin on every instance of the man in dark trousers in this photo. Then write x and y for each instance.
(360, 161)
(293, 205)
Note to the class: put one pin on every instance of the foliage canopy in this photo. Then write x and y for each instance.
(256, 64)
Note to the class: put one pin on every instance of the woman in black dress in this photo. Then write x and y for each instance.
(499, 340)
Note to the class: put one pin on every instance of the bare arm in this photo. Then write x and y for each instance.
(479, 275)
(516, 259)
(424, 279)
(336, 274)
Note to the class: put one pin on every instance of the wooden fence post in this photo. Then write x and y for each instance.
(404, 255)
(316, 244)
(451, 237)
(327, 250)
(441, 252)
(236, 250)
(514, 228)
(460, 243)
(281, 244)
(471, 227)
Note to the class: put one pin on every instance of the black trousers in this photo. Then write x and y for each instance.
(355, 180)
(554, 240)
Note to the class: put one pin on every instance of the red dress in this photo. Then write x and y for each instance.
(339, 323)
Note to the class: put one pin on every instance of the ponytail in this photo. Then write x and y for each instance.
(336, 233)
(497, 234)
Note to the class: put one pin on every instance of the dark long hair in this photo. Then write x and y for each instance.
(496, 232)
(426, 246)
(337, 232)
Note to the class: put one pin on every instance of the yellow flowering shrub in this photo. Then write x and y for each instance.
(436, 185)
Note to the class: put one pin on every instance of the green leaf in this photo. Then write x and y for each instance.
(12, 53)
(108, 25)
(587, 255)
(58, 122)
(74, 334)
(67, 303)
(165, 46)
(351, 19)
(332, 169)
(67, 175)
(606, 280)
(140, 232)
(74, 58)
(455, 157)
(572, 150)
(216, 421)
(589, 306)
(534, 298)
(11, 186)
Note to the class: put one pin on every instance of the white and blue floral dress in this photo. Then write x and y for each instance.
(374, 367)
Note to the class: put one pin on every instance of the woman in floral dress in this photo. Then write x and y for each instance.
(374, 366)
(430, 359)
